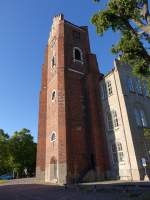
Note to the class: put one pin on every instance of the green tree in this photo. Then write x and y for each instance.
(4, 152)
(22, 152)
(132, 19)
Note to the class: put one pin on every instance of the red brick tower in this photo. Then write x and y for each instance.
(71, 143)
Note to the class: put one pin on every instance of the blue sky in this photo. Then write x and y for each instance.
(24, 30)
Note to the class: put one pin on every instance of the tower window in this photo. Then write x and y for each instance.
(76, 35)
(53, 136)
(53, 63)
(77, 55)
(53, 95)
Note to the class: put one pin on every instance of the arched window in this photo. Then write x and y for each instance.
(117, 153)
(53, 63)
(140, 117)
(53, 95)
(53, 136)
(77, 55)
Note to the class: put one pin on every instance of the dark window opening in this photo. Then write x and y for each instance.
(77, 54)
(53, 95)
(53, 61)
(53, 137)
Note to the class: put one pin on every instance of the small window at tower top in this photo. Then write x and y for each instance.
(76, 35)
(77, 55)
(53, 95)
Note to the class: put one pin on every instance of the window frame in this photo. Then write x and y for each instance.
(109, 88)
(110, 126)
(53, 99)
(117, 153)
(112, 118)
(115, 119)
(140, 117)
(51, 134)
(53, 62)
(81, 54)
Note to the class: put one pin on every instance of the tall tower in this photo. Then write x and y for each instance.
(71, 142)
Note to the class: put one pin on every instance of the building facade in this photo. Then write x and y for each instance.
(126, 110)
(87, 130)
(71, 135)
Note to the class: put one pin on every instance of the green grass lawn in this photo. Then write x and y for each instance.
(3, 181)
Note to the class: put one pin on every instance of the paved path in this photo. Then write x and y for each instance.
(49, 192)
(34, 189)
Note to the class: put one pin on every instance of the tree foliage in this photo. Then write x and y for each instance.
(23, 151)
(132, 19)
(17, 153)
(4, 152)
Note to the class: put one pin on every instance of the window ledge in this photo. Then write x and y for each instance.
(140, 94)
(110, 130)
(134, 92)
(109, 95)
(52, 141)
(53, 66)
(122, 163)
(114, 129)
(141, 127)
(80, 61)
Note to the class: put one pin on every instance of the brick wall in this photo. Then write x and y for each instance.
(75, 115)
